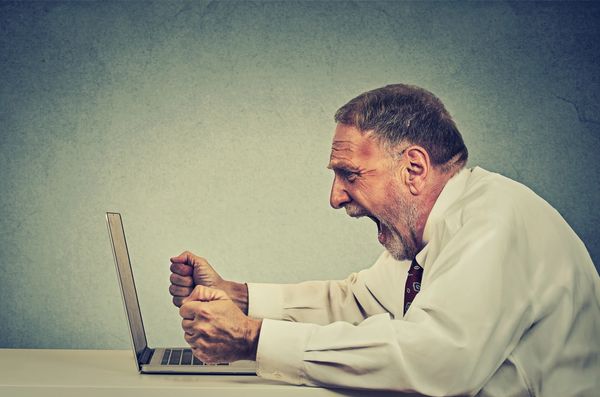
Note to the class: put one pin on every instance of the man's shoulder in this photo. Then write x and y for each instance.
(486, 182)
(490, 195)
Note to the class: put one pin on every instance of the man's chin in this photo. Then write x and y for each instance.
(399, 256)
(397, 249)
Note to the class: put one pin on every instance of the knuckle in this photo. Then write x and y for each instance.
(190, 256)
(182, 281)
(199, 312)
(199, 329)
(175, 268)
(205, 314)
(202, 345)
(181, 269)
(197, 290)
(176, 290)
(200, 356)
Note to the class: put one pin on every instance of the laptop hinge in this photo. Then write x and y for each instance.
(146, 356)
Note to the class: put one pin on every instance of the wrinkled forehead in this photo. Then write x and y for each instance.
(350, 142)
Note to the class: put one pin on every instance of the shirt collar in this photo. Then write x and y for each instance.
(450, 193)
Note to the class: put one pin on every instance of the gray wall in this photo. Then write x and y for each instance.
(208, 125)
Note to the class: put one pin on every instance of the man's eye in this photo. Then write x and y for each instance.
(350, 176)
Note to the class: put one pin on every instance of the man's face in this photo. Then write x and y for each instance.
(367, 182)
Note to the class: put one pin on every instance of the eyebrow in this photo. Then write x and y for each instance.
(341, 165)
(342, 144)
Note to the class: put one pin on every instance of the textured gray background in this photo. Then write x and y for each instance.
(208, 125)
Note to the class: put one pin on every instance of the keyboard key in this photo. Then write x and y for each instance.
(175, 356)
(165, 357)
(186, 358)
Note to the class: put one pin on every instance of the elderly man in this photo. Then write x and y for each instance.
(483, 288)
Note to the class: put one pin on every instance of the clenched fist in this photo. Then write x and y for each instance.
(216, 328)
(189, 270)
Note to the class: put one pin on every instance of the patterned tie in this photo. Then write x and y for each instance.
(413, 284)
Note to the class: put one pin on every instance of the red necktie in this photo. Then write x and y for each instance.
(413, 284)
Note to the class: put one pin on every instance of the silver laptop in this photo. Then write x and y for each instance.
(157, 360)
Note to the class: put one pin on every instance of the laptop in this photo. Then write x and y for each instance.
(175, 360)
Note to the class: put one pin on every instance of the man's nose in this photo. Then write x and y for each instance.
(339, 197)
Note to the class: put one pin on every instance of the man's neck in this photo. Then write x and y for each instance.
(434, 188)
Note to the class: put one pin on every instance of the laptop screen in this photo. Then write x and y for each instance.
(125, 275)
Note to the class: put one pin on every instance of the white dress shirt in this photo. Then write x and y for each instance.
(509, 306)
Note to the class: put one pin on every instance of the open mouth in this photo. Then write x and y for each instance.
(380, 228)
(377, 222)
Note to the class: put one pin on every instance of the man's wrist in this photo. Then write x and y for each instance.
(252, 337)
(238, 292)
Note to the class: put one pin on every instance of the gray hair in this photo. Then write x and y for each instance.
(400, 113)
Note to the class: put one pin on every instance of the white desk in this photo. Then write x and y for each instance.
(96, 373)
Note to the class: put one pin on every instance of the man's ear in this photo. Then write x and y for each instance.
(417, 165)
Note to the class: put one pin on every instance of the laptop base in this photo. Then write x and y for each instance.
(242, 367)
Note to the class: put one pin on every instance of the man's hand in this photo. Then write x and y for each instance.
(216, 328)
(189, 270)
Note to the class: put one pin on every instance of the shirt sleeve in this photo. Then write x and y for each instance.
(324, 302)
(471, 311)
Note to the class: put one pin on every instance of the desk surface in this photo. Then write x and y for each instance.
(112, 373)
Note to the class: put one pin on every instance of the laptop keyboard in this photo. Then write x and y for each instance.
(182, 357)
